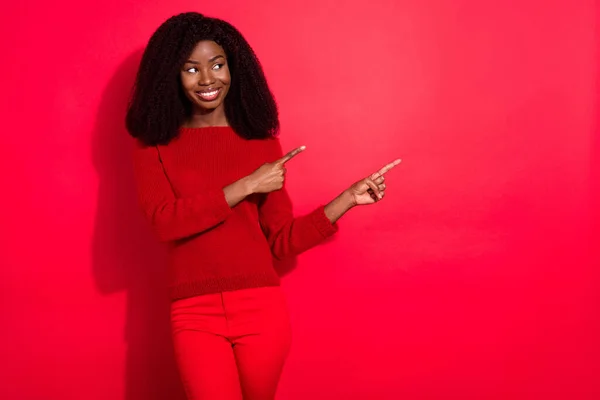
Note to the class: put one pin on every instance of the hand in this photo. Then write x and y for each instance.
(371, 189)
(270, 176)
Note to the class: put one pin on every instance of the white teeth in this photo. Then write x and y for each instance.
(208, 94)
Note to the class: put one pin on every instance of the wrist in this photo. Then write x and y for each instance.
(339, 206)
(348, 199)
(248, 185)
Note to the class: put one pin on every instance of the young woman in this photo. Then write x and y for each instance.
(210, 177)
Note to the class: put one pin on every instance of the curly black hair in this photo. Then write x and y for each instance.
(158, 107)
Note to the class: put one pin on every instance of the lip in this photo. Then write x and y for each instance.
(201, 94)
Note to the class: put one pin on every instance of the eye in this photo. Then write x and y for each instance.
(192, 70)
(218, 66)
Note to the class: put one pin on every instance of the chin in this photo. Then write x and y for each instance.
(206, 107)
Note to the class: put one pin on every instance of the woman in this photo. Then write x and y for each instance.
(210, 177)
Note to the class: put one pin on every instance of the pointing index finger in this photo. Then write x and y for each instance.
(386, 168)
(291, 155)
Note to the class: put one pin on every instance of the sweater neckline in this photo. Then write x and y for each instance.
(206, 128)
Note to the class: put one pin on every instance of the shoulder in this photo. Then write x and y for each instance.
(138, 146)
(271, 146)
(143, 152)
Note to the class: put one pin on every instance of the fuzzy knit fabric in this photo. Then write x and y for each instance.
(212, 247)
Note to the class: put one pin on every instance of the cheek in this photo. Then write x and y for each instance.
(226, 77)
(186, 81)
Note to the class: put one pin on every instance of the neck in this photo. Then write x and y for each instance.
(203, 118)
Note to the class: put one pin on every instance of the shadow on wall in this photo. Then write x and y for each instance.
(127, 257)
(595, 159)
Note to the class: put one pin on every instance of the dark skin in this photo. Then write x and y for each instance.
(206, 72)
(205, 79)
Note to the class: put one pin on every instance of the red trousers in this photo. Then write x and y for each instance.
(231, 345)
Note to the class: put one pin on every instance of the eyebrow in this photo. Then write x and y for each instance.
(211, 60)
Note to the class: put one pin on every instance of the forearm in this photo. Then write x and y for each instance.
(339, 206)
(175, 219)
(236, 192)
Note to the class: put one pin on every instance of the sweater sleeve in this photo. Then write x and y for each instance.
(173, 218)
(288, 235)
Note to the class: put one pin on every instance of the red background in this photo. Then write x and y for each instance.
(476, 278)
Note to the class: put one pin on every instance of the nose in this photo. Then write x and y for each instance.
(205, 78)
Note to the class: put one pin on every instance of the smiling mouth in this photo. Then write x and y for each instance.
(208, 95)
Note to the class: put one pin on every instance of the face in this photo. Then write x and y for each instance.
(205, 77)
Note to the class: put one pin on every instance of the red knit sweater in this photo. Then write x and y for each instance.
(212, 247)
